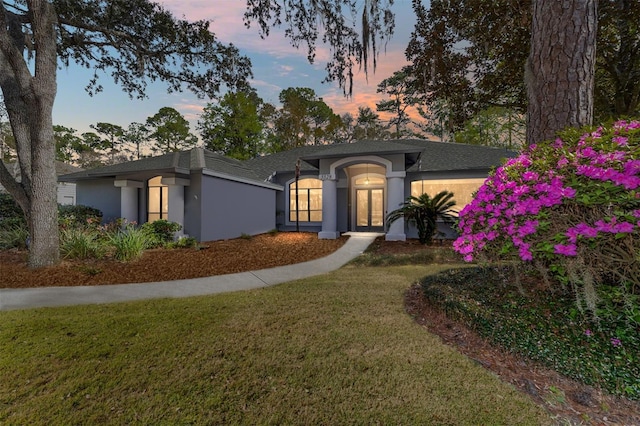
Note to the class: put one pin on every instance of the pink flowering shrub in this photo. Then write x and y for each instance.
(570, 206)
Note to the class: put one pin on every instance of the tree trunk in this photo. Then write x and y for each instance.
(560, 71)
(29, 101)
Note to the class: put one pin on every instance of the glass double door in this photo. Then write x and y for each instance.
(370, 209)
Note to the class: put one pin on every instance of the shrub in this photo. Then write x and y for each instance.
(13, 235)
(10, 213)
(160, 232)
(76, 243)
(129, 243)
(78, 216)
(545, 326)
(424, 211)
(570, 206)
(184, 242)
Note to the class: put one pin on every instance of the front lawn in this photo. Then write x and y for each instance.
(334, 349)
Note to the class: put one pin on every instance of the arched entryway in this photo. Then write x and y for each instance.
(375, 189)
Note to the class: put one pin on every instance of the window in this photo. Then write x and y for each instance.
(309, 200)
(370, 180)
(463, 189)
(158, 207)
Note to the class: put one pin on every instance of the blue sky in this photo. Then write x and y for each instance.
(276, 66)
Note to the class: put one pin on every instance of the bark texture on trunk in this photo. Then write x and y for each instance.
(560, 71)
(29, 100)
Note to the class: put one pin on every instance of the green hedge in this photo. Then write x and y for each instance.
(545, 326)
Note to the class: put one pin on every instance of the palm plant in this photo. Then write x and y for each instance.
(424, 211)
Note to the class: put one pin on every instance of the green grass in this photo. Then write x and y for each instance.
(335, 349)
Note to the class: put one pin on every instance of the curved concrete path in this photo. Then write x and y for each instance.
(65, 296)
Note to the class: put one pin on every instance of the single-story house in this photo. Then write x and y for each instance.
(66, 191)
(341, 188)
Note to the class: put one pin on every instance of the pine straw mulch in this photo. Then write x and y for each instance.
(568, 401)
(212, 258)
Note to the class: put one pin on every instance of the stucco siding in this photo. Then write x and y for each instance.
(343, 209)
(230, 209)
(192, 207)
(102, 195)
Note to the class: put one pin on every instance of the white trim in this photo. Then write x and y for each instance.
(387, 164)
(361, 159)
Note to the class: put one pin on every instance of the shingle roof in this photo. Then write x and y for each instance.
(421, 155)
(284, 161)
(229, 166)
(425, 155)
(165, 162)
(444, 156)
(177, 162)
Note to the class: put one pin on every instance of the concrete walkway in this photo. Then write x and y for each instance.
(66, 296)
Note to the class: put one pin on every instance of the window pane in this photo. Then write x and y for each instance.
(303, 216)
(307, 183)
(370, 180)
(362, 207)
(416, 188)
(165, 200)
(154, 216)
(377, 207)
(462, 189)
(156, 181)
(154, 199)
(316, 216)
(315, 199)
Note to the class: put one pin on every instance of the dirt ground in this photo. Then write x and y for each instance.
(568, 401)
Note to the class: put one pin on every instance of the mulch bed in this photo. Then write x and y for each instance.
(213, 258)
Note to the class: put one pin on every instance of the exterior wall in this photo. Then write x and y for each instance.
(229, 209)
(193, 207)
(66, 193)
(102, 195)
(343, 209)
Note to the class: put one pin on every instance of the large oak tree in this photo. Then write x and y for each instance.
(134, 41)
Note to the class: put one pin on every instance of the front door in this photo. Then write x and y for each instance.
(370, 210)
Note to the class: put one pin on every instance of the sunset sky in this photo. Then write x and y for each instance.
(276, 66)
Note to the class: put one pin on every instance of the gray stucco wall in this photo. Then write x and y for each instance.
(102, 195)
(193, 207)
(229, 209)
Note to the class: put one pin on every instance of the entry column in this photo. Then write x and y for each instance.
(128, 198)
(176, 200)
(395, 198)
(329, 208)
